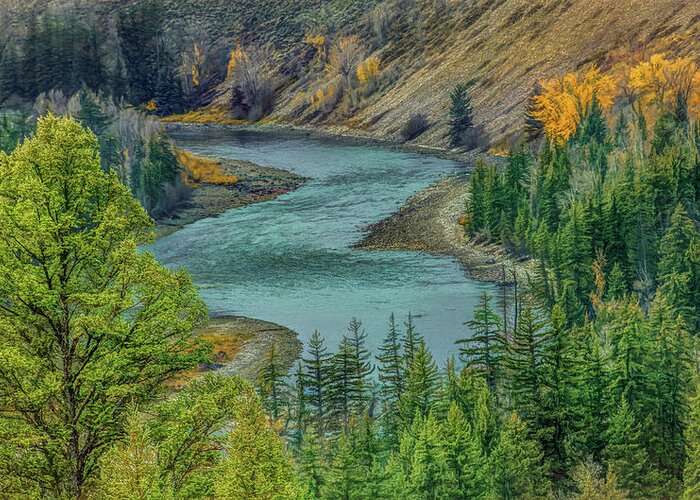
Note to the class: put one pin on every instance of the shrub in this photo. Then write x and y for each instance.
(415, 126)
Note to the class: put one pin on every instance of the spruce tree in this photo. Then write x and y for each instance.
(460, 114)
(316, 374)
(464, 454)
(411, 341)
(625, 454)
(431, 477)
(272, 384)
(516, 467)
(485, 347)
(524, 362)
(691, 470)
(422, 383)
(392, 376)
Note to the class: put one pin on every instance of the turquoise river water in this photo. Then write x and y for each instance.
(290, 261)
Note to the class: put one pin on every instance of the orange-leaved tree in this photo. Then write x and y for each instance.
(565, 100)
(664, 82)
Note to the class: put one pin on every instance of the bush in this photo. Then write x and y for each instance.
(415, 126)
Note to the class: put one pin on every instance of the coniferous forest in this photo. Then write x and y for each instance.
(575, 376)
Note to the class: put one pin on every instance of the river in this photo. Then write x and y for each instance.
(290, 260)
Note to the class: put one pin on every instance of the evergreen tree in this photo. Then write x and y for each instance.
(625, 453)
(485, 347)
(256, 465)
(691, 471)
(312, 469)
(464, 454)
(460, 114)
(422, 382)
(392, 376)
(516, 464)
(272, 384)
(315, 377)
(431, 476)
(524, 362)
(411, 342)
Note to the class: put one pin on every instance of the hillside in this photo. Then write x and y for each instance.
(424, 48)
(505, 47)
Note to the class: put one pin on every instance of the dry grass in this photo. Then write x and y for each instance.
(506, 47)
(200, 170)
(206, 115)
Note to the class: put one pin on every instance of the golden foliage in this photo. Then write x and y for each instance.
(368, 71)
(151, 105)
(345, 55)
(238, 56)
(197, 65)
(565, 100)
(660, 81)
(319, 43)
(200, 170)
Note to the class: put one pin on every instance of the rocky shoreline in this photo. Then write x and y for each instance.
(429, 222)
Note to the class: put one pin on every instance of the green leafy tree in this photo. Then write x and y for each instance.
(89, 323)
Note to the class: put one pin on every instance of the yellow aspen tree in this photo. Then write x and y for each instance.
(565, 100)
(368, 71)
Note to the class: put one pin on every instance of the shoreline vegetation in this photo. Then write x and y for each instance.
(429, 222)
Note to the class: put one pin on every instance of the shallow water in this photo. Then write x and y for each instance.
(289, 261)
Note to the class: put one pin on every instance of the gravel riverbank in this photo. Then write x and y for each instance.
(428, 222)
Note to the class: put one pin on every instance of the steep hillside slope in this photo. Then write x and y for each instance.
(506, 47)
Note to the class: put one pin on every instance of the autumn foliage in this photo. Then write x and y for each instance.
(564, 101)
(661, 82)
(657, 86)
(203, 171)
(368, 71)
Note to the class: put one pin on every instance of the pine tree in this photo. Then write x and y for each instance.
(559, 409)
(524, 362)
(256, 465)
(691, 471)
(464, 455)
(625, 453)
(671, 371)
(312, 469)
(422, 382)
(460, 114)
(272, 384)
(485, 347)
(431, 477)
(346, 474)
(516, 464)
(411, 341)
(392, 376)
(316, 373)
